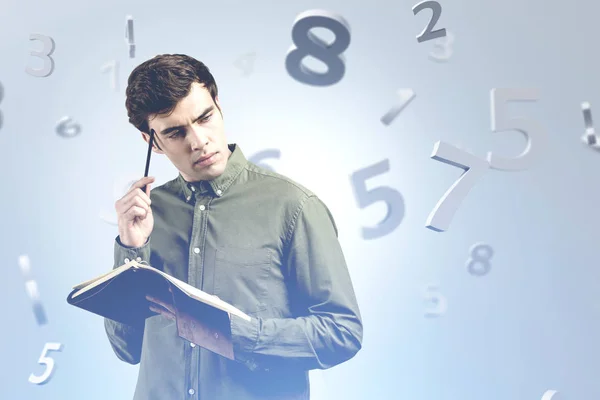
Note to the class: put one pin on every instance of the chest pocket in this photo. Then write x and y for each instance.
(241, 277)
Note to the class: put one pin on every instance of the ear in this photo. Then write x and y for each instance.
(147, 140)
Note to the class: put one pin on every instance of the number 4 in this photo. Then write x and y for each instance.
(48, 362)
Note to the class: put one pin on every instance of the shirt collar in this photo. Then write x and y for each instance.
(218, 186)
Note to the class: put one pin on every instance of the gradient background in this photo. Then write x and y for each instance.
(528, 326)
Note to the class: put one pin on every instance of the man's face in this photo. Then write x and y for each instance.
(193, 132)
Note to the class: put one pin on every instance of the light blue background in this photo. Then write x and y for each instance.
(529, 326)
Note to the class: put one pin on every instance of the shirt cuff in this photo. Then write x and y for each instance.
(124, 254)
(244, 336)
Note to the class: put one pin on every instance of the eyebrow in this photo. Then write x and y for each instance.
(174, 128)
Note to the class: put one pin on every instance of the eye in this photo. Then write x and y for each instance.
(206, 118)
(174, 135)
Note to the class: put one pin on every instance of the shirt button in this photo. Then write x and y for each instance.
(188, 198)
(219, 192)
(193, 189)
(138, 259)
(192, 344)
(196, 250)
(126, 260)
(191, 391)
(202, 207)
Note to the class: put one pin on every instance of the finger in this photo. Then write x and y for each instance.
(162, 303)
(127, 202)
(140, 183)
(136, 211)
(163, 312)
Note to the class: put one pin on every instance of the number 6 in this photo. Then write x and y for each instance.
(48, 361)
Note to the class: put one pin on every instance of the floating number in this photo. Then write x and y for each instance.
(432, 295)
(121, 186)
(32, 290)
(549, 394)
(48, 362)
(406, 96)
(366, 197)
(129, 38)
(67, 128)
(474, 167)
(589, 137)
(265, 154)
(114, 66)
(444, 44)
(1, 97)
(246, 63)
(44, 54)
(478, 263)
(427, 33)
(533, 132)
(309, 44)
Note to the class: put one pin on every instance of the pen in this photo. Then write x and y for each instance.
(148, 156)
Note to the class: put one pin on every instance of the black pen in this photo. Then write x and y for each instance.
(148, 156)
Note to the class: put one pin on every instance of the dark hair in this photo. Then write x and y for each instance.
(157, 85)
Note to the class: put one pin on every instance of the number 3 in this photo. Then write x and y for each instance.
(43, 54)
(48, 361)
(365, 197)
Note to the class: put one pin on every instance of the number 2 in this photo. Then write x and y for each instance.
(48, 362)
(427, 33)
(365, 197)
(441, 215)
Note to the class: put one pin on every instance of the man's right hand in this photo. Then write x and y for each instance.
(134, 214)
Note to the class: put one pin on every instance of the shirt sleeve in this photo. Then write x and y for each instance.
(331, 330)
(126, 340)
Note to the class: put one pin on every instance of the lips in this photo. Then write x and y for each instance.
(206, 157)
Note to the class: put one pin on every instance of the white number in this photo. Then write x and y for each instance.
(44, 54)
(474, 167)
(365, 197)
(406, 96)
(432, 295)
(259, 157)
(533, 132)
(114, 65)
(67, 128)
(443, 44)
(129, 39)
(246, 63)
(48, 362)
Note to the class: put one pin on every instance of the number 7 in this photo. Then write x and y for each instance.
(48, 361)
(441, 215)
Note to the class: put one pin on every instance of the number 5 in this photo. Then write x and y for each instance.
(534, 133)
(392, 198)
(48, 361)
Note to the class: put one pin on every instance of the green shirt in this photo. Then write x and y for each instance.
(268, 246)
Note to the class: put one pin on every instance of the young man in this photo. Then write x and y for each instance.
(252, 237)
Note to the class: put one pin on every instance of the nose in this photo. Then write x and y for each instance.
(198, 138)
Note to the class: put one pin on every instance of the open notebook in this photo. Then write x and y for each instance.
(120, 294)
